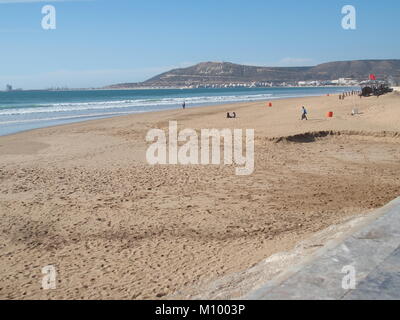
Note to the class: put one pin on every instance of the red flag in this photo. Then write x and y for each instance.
(372, 77)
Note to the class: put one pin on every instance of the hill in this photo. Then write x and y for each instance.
(217, 73)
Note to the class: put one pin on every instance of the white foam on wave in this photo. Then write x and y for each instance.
(99, 105)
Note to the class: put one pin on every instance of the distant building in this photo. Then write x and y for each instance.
(9, 87)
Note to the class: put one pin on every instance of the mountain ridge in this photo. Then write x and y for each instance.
(217, 73)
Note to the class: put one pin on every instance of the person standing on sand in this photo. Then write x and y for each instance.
(304, 113)
(184, 105)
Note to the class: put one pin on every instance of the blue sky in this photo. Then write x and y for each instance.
(100, 42)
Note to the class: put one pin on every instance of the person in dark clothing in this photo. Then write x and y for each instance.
(184, 105)
(304, 113)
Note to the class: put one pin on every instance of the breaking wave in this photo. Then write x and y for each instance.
(118, 104)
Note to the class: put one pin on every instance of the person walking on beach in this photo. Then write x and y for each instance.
(303, 113)
(184, 105)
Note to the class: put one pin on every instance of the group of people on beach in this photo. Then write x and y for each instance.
(228, 114)
(304, 112)
(348, 94)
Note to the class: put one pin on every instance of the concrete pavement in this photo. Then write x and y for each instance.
(368, 259)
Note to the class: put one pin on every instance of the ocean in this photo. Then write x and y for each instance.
(26, 110)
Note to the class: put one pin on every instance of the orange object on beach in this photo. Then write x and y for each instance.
(270, 104)
(329, 114)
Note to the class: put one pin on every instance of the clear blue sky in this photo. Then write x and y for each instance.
(101, 42)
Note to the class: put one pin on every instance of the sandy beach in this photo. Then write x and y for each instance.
(82, 197)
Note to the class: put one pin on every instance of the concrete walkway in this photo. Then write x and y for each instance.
(371, 254)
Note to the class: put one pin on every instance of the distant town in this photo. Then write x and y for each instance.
(345, 82)
(9, 88)
(340, 82)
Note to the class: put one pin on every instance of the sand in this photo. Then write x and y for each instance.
(82, 197)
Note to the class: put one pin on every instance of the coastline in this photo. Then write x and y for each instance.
(10, 126)
(161, 112)
(188, 88)
(82, 197)
(166, 88)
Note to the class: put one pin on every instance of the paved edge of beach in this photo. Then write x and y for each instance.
(373, 250)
